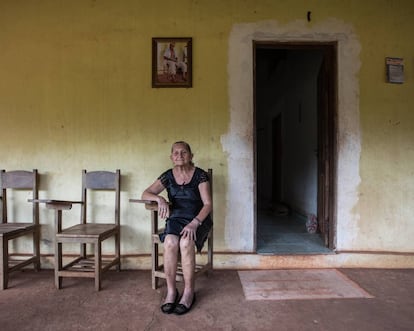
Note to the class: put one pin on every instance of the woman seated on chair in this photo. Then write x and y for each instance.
(187, 224)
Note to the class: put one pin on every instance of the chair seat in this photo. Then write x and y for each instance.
(89, 230)
(15, 228)
(156, 236)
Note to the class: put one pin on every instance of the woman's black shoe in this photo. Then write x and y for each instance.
(181, 309)
(168, 308)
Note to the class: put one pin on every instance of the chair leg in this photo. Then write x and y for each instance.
(154, 267)
(36, 249)
(155, 280)
(210, 252)
(83, 251)
(58, 264)
(98, 265)
(118, 250)
(4, 266)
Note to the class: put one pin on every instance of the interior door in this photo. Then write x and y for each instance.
(326, 146)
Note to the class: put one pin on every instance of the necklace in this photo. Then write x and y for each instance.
(183, 178)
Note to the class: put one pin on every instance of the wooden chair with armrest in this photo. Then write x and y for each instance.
(89, 231)
(157, 270)
(13, 182)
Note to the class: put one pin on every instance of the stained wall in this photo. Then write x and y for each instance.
(75, 92)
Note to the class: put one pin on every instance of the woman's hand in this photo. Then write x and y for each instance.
(190, 230)
(152, 194)
(163, 208)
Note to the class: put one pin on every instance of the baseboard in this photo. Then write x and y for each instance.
(244, 261)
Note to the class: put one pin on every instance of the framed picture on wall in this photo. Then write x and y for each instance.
(172, 64)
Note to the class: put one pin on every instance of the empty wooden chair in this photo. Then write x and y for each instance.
(89, 231)
(157, 270)
(11, 183)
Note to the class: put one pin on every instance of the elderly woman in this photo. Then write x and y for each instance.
(187, 224)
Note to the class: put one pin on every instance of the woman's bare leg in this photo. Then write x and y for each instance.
(187, 249)
(171, 246)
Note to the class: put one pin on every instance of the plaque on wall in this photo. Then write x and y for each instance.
(395, 70)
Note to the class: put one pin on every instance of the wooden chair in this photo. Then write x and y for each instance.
(88, 232)
(157, 270)
(11, 183)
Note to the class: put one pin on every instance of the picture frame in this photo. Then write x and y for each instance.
(172, 62)
(395, 70)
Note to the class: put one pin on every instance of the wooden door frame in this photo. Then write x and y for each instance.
(330, 54)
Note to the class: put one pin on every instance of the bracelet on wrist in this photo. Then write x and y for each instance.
(198, 221)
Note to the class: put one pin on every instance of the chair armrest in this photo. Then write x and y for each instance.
(56, 204)
(149, 204)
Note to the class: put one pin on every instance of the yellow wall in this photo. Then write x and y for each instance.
(75, 92)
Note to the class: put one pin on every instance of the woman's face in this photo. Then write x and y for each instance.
(180, 155)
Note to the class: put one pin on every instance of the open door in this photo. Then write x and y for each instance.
(326, 146)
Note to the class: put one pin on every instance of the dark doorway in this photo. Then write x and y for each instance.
(277, 140)
(295, 106)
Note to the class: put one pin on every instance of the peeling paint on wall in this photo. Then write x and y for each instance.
(238, 142)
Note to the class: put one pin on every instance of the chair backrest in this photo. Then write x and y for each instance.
(101, 180)
(20, 180)
(210, 176)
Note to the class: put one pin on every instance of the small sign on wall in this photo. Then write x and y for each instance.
(395, 70)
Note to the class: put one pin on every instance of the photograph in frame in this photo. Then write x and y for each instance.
(172, 62)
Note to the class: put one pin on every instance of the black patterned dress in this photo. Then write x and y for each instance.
(186, 203)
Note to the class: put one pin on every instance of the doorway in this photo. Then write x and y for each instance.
(295, 106)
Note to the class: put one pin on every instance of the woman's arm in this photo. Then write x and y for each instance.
(205, 194)
(190, 229)
(152, 193)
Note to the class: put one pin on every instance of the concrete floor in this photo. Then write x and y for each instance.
(127, 302)
(287, 234)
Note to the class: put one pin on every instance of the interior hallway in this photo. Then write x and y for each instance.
(287, 234)
(127, 302)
